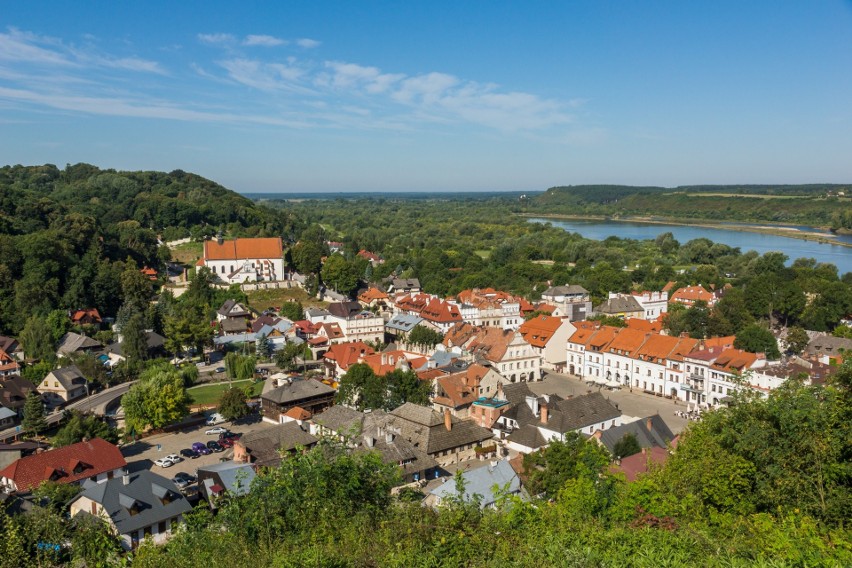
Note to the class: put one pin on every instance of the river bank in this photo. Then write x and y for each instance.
(766, 229)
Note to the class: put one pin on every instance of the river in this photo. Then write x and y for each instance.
(794, 248)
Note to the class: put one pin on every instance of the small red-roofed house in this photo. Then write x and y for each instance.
(88, 316)
(341, 356)
(688, 295)
(149, 273)
(639, 464)
(95, 459)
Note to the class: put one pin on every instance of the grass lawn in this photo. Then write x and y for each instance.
(483, 254)
(263, 299)
(211, 393)
(187, 253)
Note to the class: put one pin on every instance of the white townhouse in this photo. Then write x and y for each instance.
(655, 304)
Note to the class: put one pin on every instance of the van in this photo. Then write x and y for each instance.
(215, 418)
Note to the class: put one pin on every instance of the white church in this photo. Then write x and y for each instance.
(244, 260)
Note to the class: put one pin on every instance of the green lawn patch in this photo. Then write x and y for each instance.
(212, 393)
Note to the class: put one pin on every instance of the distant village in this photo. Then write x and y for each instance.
(506, 377)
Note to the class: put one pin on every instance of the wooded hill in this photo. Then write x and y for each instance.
(815, 205)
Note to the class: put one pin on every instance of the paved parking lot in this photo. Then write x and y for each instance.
(634, 403)
(141, 455)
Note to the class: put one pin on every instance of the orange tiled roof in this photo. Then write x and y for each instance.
(599, 340)
(89, 313)
(491, 342)
(387, 361)
(241, 249)
(734, 360)
(725, 342)
(538, 330)
(440, 311)
(346, 354)
(372, 294)
(627, 341)
(690, 294)
(459, 334)
(298, 413)
(644, 325)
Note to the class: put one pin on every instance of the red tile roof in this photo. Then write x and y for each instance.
(241, 249)
(372, 294)
(65, 465)
(637, 464)
(298, 413)
(439, 311)
(87, 315)
(691, 294)
(387, 361)
(346, 354)
(538, 330)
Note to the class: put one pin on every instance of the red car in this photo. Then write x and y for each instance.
(226, 442)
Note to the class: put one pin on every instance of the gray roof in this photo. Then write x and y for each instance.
(264, 445)
(528, 436)
(570, 290)
(621, 304)
(153, 339)
(6, 413)
(405, 283)
(345, 310)
(579, 412)
(828, 345)
(297, 390)
(235, 477)
(403, 322)
(232, 308)
(316, 312)
(72, 342)
(341, 419)
(481, 481)
(657, 436)
(69, 377)
(145, 491)
(425, 429)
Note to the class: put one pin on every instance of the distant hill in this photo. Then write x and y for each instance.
(826, 205)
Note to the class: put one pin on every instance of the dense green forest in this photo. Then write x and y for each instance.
(66, 236)
(816, 205)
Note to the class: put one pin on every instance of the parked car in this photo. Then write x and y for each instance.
(226, 442)
(182, 480)
(215, 419)
(230, 435)
(200, 448)
(174, 458)
(220, 369)
(214, 447)
(216, 430)
(164, 462)
(189, 454)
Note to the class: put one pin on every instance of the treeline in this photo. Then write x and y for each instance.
(816, 205)
(67, 236)
(477, 244)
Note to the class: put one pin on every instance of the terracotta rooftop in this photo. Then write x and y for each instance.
(346, 354)
(538, 330)
(242, 249)
(68, 464)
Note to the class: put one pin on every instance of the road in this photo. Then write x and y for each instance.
(636, 404)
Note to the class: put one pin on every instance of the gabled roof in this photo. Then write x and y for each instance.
(372, 294)
(403, 322)
(637, 464)
(73, 342)
(297, 390)
(620, 305)
(232, 308)
(579, 412)
(345, 310)
(571, 290)
(691, 294)
(98, 455)
(734, 360)
(387, 361)
(482, 481)
(234, 477)
(627, 342)
(244, 249)
(145, 500)
(90, 314)
(440, 311)
(67, 376)
(346, 354)
(601, 338)
(264, 445)
(426, 430)
(539, 330)
(650, 432)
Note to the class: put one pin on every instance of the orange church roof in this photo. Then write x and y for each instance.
(242, 249)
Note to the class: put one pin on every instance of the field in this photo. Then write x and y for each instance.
(211, 393)
(187, 253)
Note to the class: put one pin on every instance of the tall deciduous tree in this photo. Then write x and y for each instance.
(37, 340)
(757, 339)
(233, 404)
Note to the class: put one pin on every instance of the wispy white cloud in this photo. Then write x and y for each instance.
(351, 75)
(263, 40)
(307, 43)
(22, 47)
(265, 76)
(216, 39)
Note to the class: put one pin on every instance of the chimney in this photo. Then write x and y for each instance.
(492, 465)
(544, 413)
(648, 424)
(388, 437)
(448, 419)
(125, 478)
(499, 395)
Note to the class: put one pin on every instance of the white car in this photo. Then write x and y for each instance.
(216, 430)
(174, 458)
(164, 462)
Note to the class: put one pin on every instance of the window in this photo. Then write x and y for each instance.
(161, 527)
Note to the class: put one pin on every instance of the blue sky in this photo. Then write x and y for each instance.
(395, 96)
